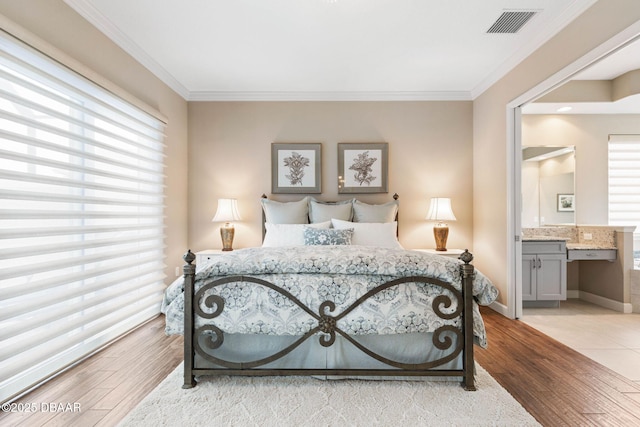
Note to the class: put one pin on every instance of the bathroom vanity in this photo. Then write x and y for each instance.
(544, 271)
(587, 262)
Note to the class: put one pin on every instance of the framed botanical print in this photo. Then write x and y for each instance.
(566, 203)
(296, 168)
(363, 167)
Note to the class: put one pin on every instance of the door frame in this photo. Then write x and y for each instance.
(514, 157)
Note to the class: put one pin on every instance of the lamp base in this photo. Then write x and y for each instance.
(441, 232)
(227, 232)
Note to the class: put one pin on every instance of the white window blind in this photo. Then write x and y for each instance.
(624, 183)
(81, 217)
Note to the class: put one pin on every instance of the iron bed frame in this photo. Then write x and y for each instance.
(326, 329)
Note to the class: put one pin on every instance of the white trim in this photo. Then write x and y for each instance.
(328, 96)
(622, 307)
(514, 196)
(514, 208)
(512, 212)
(499, 308)
(59, 56)
(98, 20)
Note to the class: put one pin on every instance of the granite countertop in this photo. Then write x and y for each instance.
(544, 239)
(587, 246)
(576, 238)
(578, 246)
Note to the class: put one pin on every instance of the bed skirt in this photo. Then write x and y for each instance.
(413, 348)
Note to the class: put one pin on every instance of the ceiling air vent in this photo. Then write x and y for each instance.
(510, 22)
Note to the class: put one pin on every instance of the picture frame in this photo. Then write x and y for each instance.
(566, 202)
(296, 168)
(363, 168)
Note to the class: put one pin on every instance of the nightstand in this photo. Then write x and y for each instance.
(204, 257)
(451, 253)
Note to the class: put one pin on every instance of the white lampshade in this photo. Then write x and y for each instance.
(227, 211)
(440, 210)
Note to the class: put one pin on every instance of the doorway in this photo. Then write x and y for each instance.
(514, 128)
(577, 324)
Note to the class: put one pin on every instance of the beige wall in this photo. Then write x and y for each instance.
(430, 154)
(57, 24)
(589, 134)
(492, 210)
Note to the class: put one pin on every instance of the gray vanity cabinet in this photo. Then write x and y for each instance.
(544, 270)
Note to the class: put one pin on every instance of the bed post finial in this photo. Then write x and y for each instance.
(395, 196)
(466, 256)
(188, 256)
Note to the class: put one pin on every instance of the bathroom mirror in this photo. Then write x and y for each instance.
(548, 186)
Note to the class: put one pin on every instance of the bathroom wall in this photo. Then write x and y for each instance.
(590, 135)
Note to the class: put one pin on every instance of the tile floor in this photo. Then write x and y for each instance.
(608, 337)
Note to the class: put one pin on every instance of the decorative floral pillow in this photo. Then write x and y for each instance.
(316, 236)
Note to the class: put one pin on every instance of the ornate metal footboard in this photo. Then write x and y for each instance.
(326, 330)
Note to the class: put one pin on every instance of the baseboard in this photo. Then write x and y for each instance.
(621, 307)
(500, 308)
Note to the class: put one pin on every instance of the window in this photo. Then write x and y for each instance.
(81, 217)
(624, 185)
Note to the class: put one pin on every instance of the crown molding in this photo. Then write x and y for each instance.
(328, 96)
(98, 20)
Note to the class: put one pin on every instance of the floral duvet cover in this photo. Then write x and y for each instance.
(341, 274)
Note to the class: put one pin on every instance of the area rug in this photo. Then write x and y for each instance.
(304, 401)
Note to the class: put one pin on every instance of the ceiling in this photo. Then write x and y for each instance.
(326, 49)
(615, 64)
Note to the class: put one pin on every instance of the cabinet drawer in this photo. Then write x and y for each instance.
(544, 247)
(592, 254)
(206, 256)
(203, 259)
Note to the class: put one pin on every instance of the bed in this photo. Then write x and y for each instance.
(332, 299)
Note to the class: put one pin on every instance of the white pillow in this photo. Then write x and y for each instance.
(320, 212)
(286, 212)
(363, 212)
(278, 235)
(381, 234)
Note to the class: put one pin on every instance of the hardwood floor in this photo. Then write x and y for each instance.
(559, 386)
(108, 385)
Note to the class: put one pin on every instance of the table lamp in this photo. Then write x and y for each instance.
(227, 211)
(440, 210)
